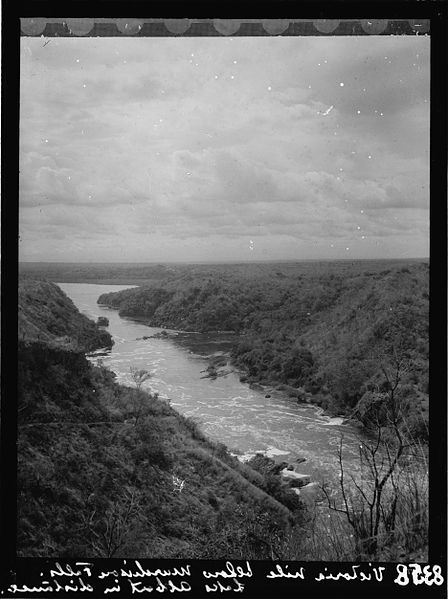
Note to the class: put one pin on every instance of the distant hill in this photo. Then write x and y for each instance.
(149, 273)
(120, 274)
(47, 314)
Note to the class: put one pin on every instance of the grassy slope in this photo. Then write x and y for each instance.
(95, 482)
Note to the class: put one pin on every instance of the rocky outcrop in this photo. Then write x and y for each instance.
(265, 465)
(295, 479)
(159, 335)
(218, 366)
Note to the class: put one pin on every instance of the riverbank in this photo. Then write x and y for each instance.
(322, 336)
(229, 411)
(106, 470)
(220, 364)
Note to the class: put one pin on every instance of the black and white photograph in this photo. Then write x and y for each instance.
(223, 326)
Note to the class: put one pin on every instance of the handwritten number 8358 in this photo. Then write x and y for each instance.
(417, 575)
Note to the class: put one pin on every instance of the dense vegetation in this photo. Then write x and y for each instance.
(47, 314)
(325, 335)
(146, 273)
(95, 480)
(106, 470)
(120, 273)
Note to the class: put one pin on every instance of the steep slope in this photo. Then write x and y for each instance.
(106, 470)
(47, 314)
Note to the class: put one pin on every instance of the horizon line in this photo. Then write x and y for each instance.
(192, 262)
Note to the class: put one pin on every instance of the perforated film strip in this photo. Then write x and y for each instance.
(108, 27)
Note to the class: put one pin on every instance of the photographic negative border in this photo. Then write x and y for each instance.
(23, 19)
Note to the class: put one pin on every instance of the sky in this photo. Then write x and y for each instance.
(224, 149)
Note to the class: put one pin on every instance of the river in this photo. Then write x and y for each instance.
(228, 411)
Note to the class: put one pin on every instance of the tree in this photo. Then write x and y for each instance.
(139, 376)
(118, 525)
(383, 505)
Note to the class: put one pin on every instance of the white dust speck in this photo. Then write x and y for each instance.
(358, 112)
(369, 156)
(269, 88)
(341, 84)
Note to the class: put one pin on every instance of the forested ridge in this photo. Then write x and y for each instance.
(106, 470)
(324, 335)
(46, 314)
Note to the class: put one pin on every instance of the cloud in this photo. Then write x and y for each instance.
(161, 140)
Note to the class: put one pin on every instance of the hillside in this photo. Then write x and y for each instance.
(47, 314)
(106, 470)
(325, 335)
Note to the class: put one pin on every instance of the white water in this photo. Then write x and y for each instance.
(227, 410)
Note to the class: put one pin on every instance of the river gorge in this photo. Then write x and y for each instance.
(228, 410)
